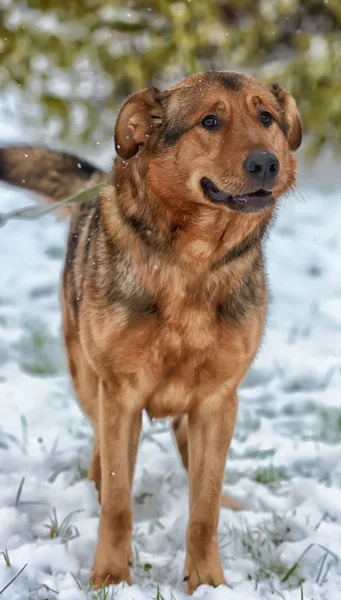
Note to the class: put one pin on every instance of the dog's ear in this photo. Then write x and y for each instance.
(290, 115)
(139, 122)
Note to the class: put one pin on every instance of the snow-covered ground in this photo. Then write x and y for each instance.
(285, 462)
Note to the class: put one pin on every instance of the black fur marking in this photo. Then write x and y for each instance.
(172, 133)
(3, 164)
(70, 257)
(114, 291)
(276, 89)
(92, 228)
(149, 236)
(247, 297)
(231, 81)
(174, 230)
(283, 126)
(75, 232)
(250, 243)
(141, 228)
(138, 225)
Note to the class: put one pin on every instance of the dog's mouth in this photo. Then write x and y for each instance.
(250, 203)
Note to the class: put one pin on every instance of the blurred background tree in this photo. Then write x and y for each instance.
(70, 63)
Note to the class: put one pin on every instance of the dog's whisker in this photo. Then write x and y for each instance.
(301, 197)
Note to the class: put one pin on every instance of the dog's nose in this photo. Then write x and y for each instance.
(262, 166)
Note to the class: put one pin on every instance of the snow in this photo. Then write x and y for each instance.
(285, 461)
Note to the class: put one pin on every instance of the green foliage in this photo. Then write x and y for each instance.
(39, 352)
(330, 426)
(270, 476)
(79, 58)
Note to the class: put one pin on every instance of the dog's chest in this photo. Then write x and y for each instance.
(183, 320)
(180, 363)
(178, 353)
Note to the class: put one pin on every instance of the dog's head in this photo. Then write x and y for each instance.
(218, 138)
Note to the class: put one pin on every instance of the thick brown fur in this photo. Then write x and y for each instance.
(54, 175)
(164, 295)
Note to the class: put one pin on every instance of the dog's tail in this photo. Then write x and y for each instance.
(53, 175)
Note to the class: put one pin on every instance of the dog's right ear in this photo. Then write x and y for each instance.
(139, 122)
(290, 114)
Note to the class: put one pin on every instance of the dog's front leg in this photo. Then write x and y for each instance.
(210, 429)
(119, 429)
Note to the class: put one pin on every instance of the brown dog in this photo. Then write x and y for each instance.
(164, 297)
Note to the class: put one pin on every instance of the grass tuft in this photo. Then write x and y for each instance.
(5, 554)
(104, 593)
(158, 594)
(78, 583)
(66, 531)
(295, 566)
(18, 494)
(13, 579)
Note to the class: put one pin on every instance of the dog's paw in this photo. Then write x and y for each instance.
(205, 574)
(193, 582)
(106, 578)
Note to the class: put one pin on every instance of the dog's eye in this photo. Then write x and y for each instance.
(266, 118)
(210, 122)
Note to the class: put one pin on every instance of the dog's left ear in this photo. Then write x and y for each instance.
(138, 122)
(290, 115)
